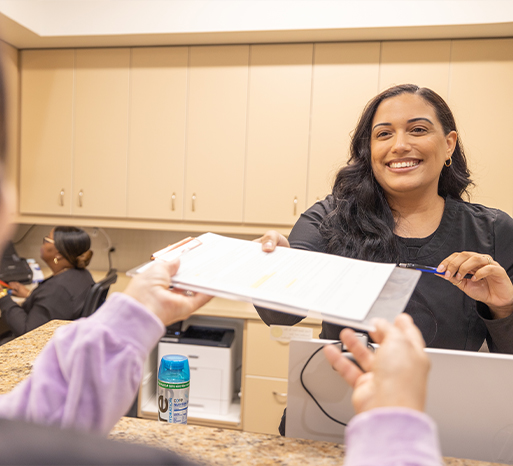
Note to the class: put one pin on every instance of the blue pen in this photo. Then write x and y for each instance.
(426, 268)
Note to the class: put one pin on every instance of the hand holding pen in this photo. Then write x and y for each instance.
(479, 276)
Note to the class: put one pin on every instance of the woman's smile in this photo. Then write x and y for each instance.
(400, 165)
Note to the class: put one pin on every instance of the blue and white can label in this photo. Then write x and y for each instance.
(173, 401)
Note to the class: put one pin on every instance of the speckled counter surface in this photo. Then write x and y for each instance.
(17, 356)
(211, 446)
(203, 444)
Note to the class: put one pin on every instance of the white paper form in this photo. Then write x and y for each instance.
(290, 278)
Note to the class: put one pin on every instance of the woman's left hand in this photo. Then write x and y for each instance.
(489, 284)
(19, 290)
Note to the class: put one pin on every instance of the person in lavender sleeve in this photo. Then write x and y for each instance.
(87, 376)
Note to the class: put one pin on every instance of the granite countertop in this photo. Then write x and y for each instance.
(205, 445)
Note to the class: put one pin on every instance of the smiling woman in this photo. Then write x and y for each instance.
(399, 199)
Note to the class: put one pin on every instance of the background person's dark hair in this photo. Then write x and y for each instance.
(362, 224)
(74, 244)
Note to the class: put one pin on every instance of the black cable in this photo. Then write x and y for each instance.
(308, 391)
(110, 251)
(23, 236)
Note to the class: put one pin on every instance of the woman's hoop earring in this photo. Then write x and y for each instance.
(55, 260)
(448, 160)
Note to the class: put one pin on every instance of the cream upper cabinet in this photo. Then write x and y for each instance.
(345, 77)
(101, 132)
(278, 128)
(216, 133)
(425, 63)
(481, 97)
(243, 135)
(46, 131)
(158, 98)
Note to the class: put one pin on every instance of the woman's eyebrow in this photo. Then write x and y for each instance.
(381, 124)
(413, 120)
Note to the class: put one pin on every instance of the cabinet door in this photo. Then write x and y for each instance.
(482, 98)
(264, 402)
(158, 91)
(425, 63)
(266, 357)
(46, 131)
(101, 132)
(345, 77)
(278, 128)
(216, 133)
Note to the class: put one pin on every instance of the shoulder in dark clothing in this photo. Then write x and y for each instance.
(25, 443)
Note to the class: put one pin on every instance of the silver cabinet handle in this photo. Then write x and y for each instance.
(173, 197)
(62, 197)
(80, 196)
(283, 395)
(194, 202)
(295, 205)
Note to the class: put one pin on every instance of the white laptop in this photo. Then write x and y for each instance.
(470, 396)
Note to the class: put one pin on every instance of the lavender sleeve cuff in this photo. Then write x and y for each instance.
(392, 436)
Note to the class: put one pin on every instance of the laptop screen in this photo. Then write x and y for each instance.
(469, 397)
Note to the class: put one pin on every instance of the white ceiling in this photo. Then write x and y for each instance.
(90, 23)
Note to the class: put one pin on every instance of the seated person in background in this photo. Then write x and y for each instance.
(67, 252)
(390, 427)
(400, 199)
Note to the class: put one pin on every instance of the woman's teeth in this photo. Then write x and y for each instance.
(403, 164)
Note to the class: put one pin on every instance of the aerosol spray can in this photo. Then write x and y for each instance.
(173, 389)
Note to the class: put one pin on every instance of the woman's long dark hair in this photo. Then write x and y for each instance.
(361, 224)
(74, 245)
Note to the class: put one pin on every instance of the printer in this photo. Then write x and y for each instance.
(210, 351)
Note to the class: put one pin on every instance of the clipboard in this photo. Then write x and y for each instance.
(167, 254)
(344, 291)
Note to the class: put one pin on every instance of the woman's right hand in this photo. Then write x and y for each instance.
(271, 239)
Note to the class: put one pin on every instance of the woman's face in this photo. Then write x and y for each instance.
(409, 147)
(48, 250)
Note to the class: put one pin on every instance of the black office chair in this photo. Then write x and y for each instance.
(98, 293)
